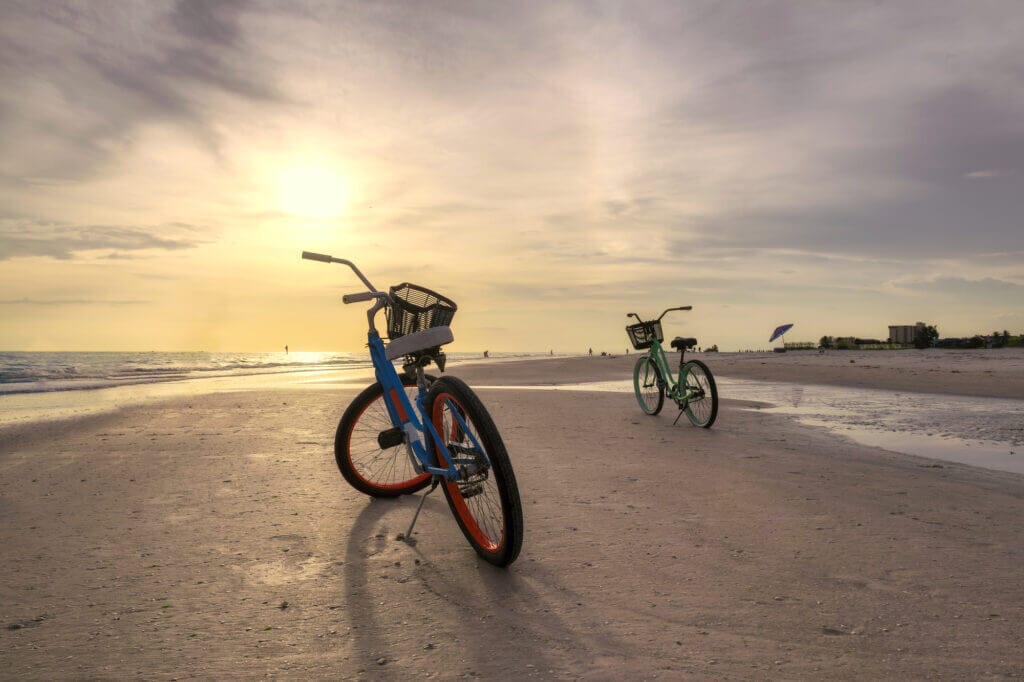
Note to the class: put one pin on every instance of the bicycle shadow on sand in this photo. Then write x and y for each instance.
(435, 607)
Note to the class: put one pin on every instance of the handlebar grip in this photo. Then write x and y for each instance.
(309, 255)
(358, 298)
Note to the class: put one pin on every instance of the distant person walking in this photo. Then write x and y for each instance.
(286, 350)
(591, 352)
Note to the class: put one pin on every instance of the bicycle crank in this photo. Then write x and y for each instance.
(390, 438)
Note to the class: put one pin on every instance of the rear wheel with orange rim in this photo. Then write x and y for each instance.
(371, 452)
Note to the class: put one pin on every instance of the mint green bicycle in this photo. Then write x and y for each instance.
(695, 392)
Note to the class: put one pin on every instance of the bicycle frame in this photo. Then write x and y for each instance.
(679, 391)
(676, 390)
(405, 417)
(439, 434)
(418, 433)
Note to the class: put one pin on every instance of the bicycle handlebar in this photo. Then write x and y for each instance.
(324, 258)
(381, 298)
(309, 255)
(667, 310)
(682, 307)
(360, 297)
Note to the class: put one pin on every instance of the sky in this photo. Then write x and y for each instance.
(843, 166)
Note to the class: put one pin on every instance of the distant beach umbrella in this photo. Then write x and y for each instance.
(779, 331)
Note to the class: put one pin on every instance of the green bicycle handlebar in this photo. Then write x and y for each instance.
(667, 310)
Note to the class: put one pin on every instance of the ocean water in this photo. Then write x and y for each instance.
(23, 372)
(46, 372)
(46, 386)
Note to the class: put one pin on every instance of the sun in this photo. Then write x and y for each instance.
(313, 190)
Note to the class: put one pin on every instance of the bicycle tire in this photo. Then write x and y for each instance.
(648, 386)
(366, 465)
(485, 503)
(703, 410)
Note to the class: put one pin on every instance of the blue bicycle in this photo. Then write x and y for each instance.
(405, 432)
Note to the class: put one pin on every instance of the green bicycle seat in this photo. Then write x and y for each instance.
(679, 343)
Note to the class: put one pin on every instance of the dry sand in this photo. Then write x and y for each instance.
(213, 537)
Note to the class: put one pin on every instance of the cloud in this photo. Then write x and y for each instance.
(67, 302)
(66, 241)
(987, 289)
(80, 80)
(986, 174)
(740, 150)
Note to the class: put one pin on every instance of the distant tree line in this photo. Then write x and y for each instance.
(927, 336)
(995, 340)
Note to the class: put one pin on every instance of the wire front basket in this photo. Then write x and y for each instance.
(642, 335)
(414, 308)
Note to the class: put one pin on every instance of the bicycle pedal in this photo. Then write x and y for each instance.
(390, 438)
(471, 490)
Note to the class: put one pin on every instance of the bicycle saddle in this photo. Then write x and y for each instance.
(410, 343)
(679, 343)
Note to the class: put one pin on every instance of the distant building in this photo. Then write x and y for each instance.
(904, 333)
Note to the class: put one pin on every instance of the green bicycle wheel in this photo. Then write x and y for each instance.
(702, 406)
(648, 385)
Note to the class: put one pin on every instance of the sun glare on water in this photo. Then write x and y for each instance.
(311, 190)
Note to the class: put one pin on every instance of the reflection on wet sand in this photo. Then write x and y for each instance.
(983, 432)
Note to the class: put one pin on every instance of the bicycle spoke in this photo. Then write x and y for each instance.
(702, 406)
(364, 464)
(486, 500)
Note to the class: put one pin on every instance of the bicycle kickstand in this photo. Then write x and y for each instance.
(407, 538)
(681, 410)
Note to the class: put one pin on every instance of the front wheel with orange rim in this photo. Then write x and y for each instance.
(371, 452)
(485, 497)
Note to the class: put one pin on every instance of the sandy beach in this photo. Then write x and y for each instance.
(211, 536)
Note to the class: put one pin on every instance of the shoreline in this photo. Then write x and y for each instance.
(977, 374)
(992, 372)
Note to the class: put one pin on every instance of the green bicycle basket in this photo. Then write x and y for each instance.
(414, 308)
(642, 335)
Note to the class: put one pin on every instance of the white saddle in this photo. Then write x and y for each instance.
(410, 343)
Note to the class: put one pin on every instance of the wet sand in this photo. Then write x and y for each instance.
(211, 536)
(996, 373)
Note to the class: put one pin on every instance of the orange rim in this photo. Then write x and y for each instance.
(480, 537)
(359, 474)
